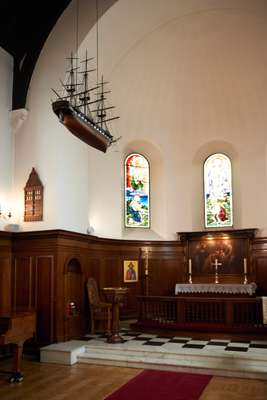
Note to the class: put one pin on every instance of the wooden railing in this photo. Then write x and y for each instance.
(158, 309)
(199, 311)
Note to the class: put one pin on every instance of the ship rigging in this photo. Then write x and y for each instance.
(82, 109)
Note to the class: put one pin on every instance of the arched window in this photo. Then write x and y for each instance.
(136, 197)
(218, 191)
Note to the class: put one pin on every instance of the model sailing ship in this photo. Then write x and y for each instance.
(82, 108)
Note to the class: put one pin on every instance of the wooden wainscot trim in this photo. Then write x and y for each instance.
(217, 234)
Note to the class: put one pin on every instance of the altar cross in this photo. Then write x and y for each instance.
(217, 264)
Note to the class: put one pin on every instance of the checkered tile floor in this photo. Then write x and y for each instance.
(145, 339)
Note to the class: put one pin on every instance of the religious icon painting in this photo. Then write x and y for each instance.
(229, 253)
(218, 191)
(136, 198)
(130, 271)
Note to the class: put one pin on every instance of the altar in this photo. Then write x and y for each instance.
(215, 288)
(219, 313)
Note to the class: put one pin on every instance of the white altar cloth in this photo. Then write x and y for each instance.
(227, 288)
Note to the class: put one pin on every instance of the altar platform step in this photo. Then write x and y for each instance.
(247, 359)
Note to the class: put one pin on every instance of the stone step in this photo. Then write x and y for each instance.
(250, 364)
(62, 353)
(215, 362)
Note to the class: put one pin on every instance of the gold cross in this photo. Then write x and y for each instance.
(216, 263)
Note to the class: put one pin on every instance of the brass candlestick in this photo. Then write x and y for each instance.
(245, 272)
(146, 262)
(189, 277)
(190, 270)
(216, 264)
(216, 275)
(146, 273)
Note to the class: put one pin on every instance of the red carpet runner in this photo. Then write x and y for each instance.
(162, 385)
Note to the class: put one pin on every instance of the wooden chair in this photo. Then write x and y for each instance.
(99, 311)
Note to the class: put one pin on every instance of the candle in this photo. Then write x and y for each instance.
(146, 262)
(190, 266)
(245, 265)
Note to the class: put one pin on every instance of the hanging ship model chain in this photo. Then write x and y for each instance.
(82, 109)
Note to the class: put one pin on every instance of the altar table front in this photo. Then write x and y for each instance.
(203, 312)
(218, 288)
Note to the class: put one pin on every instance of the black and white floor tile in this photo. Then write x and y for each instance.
(179, 342)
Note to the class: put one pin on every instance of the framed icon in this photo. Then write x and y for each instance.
(130, 271)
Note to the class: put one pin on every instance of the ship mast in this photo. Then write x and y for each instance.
(71, 87)
(84, 116)
(101, 114)
(85, 95)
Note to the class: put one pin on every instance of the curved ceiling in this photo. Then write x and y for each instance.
(24, 28)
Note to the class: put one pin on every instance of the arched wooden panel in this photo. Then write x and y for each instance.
(74, 298)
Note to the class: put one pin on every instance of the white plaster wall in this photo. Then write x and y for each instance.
(6, 139)
(60, 159)
(188, 78)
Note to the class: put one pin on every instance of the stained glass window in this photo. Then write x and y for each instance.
(218, 191)
(137, 212)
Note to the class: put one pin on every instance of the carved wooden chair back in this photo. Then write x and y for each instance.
(93, 293)
(99, 310)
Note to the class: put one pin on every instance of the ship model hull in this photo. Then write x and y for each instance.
(81, 126)
(82, 108)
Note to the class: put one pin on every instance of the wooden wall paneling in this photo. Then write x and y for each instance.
(165, 269)
(41, 256)
(70, 285)
(23, 284)
(93, 269)
(45, 298)
(107, 268)
(5, 273)
(33, 288)
(5, 284)
(163, 275)
(260, 265)
(154, 277)
(173, 272)
(73, 298)
(62, 256)
(119, 253)
(111, 272)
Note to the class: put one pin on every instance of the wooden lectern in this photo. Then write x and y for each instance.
(115, 296)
